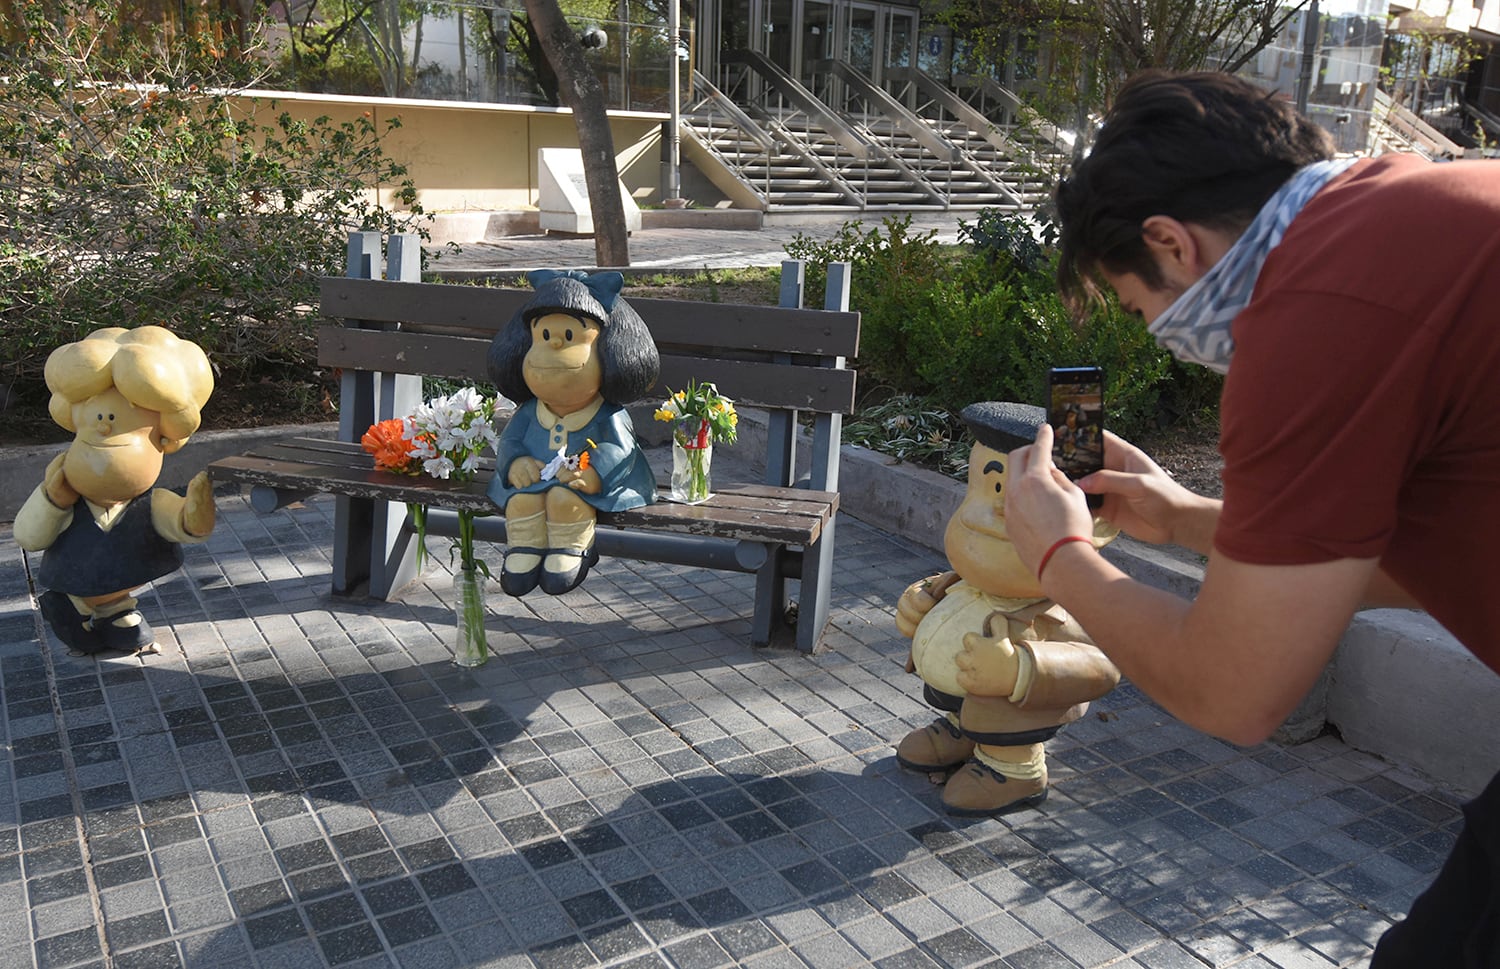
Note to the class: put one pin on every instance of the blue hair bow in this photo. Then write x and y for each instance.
(605, 287)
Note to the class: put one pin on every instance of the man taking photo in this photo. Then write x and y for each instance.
(1354, 307)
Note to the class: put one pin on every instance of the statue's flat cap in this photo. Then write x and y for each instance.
(1003, 425)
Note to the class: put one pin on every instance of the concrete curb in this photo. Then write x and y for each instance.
(1400, 686)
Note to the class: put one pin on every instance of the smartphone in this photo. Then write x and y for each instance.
(1075, 409)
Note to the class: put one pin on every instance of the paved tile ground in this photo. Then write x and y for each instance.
(300, 780)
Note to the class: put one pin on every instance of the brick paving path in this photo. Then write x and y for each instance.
(299, 781)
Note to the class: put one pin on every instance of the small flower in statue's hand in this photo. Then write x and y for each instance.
(386, 440)
(561, 460)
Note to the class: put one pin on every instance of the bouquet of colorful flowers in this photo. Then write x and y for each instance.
(702, 417)
(444, 438)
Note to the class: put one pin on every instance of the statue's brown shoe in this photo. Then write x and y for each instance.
(936, 747)
(976, 791)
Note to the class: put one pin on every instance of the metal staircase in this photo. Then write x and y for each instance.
(996, 128)
(768, 142)
(1395, 127)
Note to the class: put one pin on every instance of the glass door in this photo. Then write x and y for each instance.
(900, 36)
(862, 38)
(817, 45)
(778, 36)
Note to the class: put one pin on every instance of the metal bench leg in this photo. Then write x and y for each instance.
(351, 543)
(816, 589)
(770, 599)
(393, 550)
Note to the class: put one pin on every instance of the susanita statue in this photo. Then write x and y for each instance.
(571, 358)
(1005, 667)
(130, 397)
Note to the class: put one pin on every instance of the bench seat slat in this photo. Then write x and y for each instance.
(759, 512)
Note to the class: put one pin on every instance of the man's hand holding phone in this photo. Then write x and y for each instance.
(1075, 412)
(1147, 503)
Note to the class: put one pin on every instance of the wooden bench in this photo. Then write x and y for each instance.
(392, 331)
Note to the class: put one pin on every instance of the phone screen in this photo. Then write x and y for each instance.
(1076, 412)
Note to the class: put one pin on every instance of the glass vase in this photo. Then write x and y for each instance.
(691, 469)
(470, 648)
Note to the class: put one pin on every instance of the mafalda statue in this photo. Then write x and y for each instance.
(1004, 666)
(129, 397)
(572, 357)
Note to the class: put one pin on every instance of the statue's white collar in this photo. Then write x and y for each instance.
(575, 421)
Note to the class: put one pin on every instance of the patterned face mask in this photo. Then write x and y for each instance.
(1195, 328)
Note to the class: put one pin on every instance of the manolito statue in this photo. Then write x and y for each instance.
(1005, 667)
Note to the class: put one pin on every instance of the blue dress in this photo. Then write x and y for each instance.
(627, 479)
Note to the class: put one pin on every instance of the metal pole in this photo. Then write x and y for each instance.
(1310, 26)
(674, 97)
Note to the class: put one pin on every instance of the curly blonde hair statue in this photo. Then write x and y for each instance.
(150, 367)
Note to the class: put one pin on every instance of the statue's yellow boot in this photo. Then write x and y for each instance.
(936, 747)
(987, 786)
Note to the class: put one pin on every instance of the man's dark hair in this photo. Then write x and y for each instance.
(1203, 147)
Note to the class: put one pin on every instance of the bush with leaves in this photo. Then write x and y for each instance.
(891, 266)
(134, 189)
(943, 330)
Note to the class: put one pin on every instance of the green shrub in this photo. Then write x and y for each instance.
(942, 329)
(139, 193)
(891, 268)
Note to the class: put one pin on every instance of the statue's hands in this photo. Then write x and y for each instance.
(918, 600)
(524, 472)
(987, 665)
(198, 512)
(55, 481)
(586, 481)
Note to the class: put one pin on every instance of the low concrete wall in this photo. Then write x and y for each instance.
(467, 156)
(1402, 687)
(467, 227)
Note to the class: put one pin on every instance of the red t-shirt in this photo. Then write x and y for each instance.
(1361, 414)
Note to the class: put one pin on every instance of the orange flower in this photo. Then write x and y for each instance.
(385, 441)
(583, 461)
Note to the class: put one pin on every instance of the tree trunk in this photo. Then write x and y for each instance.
(580, 91)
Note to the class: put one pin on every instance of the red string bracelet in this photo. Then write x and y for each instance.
(1053, 550)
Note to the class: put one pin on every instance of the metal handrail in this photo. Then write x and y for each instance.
(893, 110)
(743, 121)
(964, 112)
(1062, 141)
(805, 101)
(1407, 127)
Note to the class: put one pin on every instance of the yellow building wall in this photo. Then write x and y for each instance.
(479, 157)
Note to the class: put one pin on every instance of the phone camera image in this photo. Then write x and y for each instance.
(1076, 413)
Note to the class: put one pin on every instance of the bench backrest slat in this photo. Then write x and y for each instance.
(758, 383)
(722, 326)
